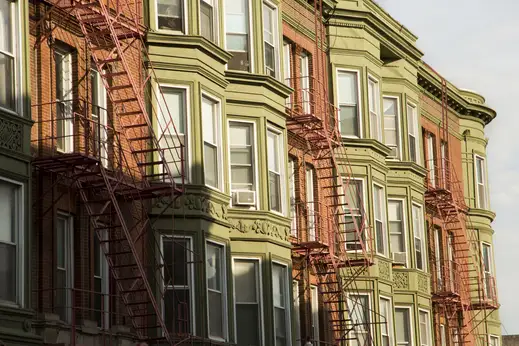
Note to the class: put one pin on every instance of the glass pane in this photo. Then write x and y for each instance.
(240, 135)
(275, 191)
(209, 126)
(348, 121)
(390, 106)
(97, 256)
(206, 20)
(216, 314)
(214, 267)
(268, 24)
(241, 156)
(237, 16)
(479, 170)
(273, 151)
(412, 148)
(180, 266)
(245, 281)
(380, 236)
(175, 101)
(270, 60)
(481, 196)
(170, 14)
(61, 242)
(176, 310)
(280, 326)
(7, 87)
(210, 165)
(8, 269)
(61, 294)
(8, 215)
(347, 87)
(247, 324)
(238, 43)
(6, 26)
(397, 242)
(278, 285)
(241, 175)
(402, 326)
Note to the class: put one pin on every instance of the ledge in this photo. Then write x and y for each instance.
(260, 222)
(407, 166)
(267, 82)
(373, 144)
(482, 213)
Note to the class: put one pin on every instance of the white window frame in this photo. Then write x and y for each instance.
(490, 272)
(216, 22)
(288, 317)
(223, 285)
(388, 319)
(369, 329)
(359, 102)
(275, 36)
(191, 278)
(292, 166)
(450, 258)
(282, 169)
(19, 243)
(287, 69)
(381, 218)
(444, 164)
(314, 305)
(259, 293)
(427, 326)
(254, 160)
(185, 20)
(443, 335)
(397, 130)
(411, 325)
(17, 54)
(250, 34)
(362, 211)
(374, 114)
(217, 113)
(422, 237)
(187, 126)
(495, 337)
(105, 280)
(69, 262)
(482, 183)
(304, 60)
(431, 162)
(66, 103)
(414, 132)
(438, 257)
(297, 312)
(102, 118)
(403, 205)
(310, 203)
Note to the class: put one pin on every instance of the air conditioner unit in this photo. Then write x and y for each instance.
(399, 257)
(244, 197)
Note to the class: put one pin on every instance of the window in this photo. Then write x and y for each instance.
(11, 251)
(391, 126)
(178, 282)
(348, 96)
(216, 291)
(425, 329)
(354, 213)
(374, 109)
(358, 306)
(379, 206)
(99, 117)
(386, 319)
(211, 125)
(63, 92)
(481, 192)
(64, 267)
(418, 228)
(310, 203)
(270, 39)
(438, 258)
(292, 167)
(8, 54)
(314, 291)
(247, 293)
(443, 335)
(176, 104)
(431, 158)
(287, 68)
(412, 128)
(237, 34)
(171, 15)
(101, 283)
(493, 340)
(297, 307)
(304, 71)
(209, 19)
(444, 165)
(403, 326)
(241, 138)
(282, 322)
(487, 270)
(397, 231)
(450, 257)
(276, 169)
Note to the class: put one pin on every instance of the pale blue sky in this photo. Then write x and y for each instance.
(475, 44)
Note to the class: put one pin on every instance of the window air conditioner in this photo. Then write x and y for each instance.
(245, 197)
(399, 257)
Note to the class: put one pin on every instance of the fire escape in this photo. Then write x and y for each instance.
(331, 237)
(461, 293)
(120, 167)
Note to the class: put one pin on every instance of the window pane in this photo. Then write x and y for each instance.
(275, 191)
(206, 21)
(268, 24)
(245, 281)
(176, 310)
(280, 326)
(238, 43)
(348, 121)
(8, 269)
(6, 26)
(279, 285)
(170, 14)
(347, 87)
(214, 267)
(216, 324)
(240, 134)
(241, 175)
(210, 165)
(175, 101)
(8, 216)
(241, 156)
(403, 333)
(236, 16)
(7, 87)
(247, 324)
(61, 242)
(273, 151)
(209, 125)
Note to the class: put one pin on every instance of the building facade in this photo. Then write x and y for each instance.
(325, 184)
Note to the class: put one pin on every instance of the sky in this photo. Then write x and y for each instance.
(475, 45)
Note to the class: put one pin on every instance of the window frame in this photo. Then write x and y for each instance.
(484, 183)
(495, 337)
(428, 327)
(287, 69)
(369, 329)
(490, 273)
(297, 309)
(191, 277)
(315, 317)
(19, 244)
(215, 4)
(102, 117)
(292, 210)
(282, 169)
(305, 81)
(389, 319)
(362, 209)
(312, 213)
(405, 235)
(443, 335)
(250, 35)
(185, 20)
(259, 292)
(288, 306)
(105, 281)
(431, 165)
(415, 133)
(398, 130)
(188, 145)
(224, 290)
(275, 36)
(423, 237)
(69, 262)
(411, 324)
(338, 71)
(217, 109)
(383, 209)
(438, 254)
(376, 112)
(68, 104)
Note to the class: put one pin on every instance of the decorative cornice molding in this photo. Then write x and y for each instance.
(384, 270)
(401, 280)
(198, 203)
(261, 227)
(260, 80)
(423, 283)
(11, 135)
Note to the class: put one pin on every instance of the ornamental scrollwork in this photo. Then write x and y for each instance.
(423, 283)
(261, 227)
(10, 135)
(401, 280)
(384, 270)
(195, 203)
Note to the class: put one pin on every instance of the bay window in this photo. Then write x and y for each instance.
(348, 103)
(216, 291)
(412, 129)
(211, 133)
(391, 126)
(270, 39)
(248, 302)
(64, 99)
(379, 206)
(403, 323)
(282, 322)
(276, 168)
(481, 182)
(209, 19)
(425, 328)
(242, 159)
(397, 231)
(237, 36)
(419, 236)
(9, 55)
(374, 108)
(64, 281)
(171, 15)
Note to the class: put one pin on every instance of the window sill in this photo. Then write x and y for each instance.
(170, 32)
